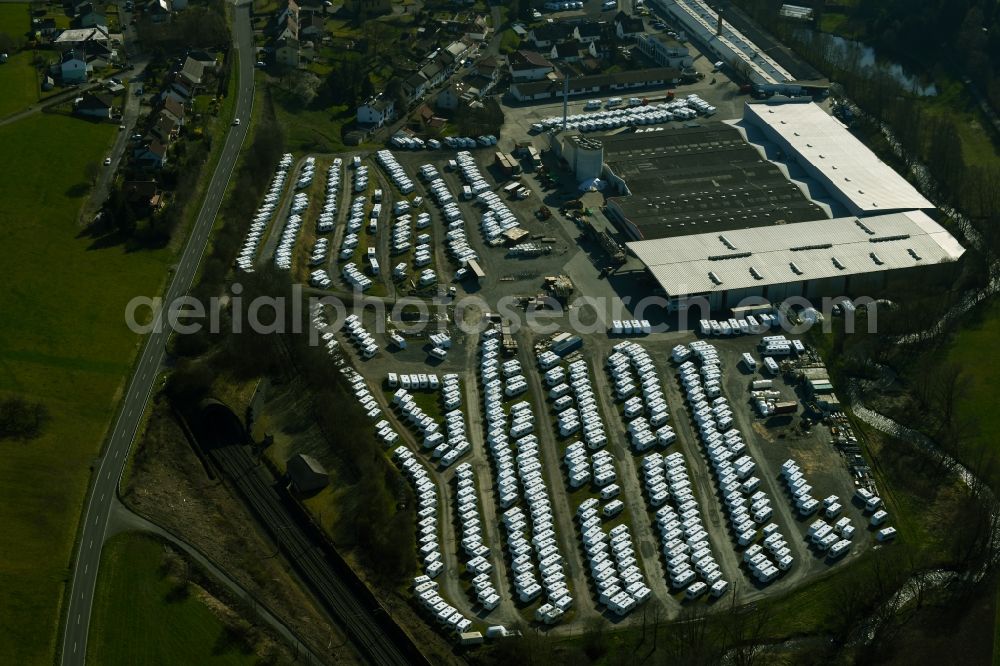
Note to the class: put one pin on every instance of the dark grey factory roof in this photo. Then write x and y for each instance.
(703, 179)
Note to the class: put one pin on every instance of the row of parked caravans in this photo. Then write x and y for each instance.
(799, 490)
(646, 415)
(289, 234)
(307, 174)
(636, 113)
(683, 538)
(360, 177)
(322, 325)
(362, 393)
(873, 504)
(360, 337)
(497, 218)
(286, 243)
(445, 447)
(397, 174)
(749, 325)
(428, 545)
(426, 591)
(471, 534)
(516, 472)
(328, 215)
(245, 259)
(456, 239)
(747, 506)
(611, 558)
(631, 327)
(424, 382)
(583, 415)
(353, 275)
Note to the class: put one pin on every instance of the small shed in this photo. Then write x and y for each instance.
(307, 475)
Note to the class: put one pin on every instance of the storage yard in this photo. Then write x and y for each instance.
(609, 462)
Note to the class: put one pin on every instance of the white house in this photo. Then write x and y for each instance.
(376, 112)
(529, 66)
(665, 51)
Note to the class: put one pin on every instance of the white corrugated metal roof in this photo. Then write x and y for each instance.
(855, 174)
(701, 19)
(682, 264)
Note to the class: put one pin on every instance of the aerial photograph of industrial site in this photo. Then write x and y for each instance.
(493, 332)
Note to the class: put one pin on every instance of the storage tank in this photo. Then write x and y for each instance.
(585, 156)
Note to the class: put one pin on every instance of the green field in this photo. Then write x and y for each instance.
(19, 83)
(17, 77)
(970, 350)
(140, 617)
(14, 18)
(62, 342)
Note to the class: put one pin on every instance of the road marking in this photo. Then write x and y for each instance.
(85, 567)
(91, 546)
(78, 618)
(74, 647)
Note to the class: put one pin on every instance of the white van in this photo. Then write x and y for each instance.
(613, 102)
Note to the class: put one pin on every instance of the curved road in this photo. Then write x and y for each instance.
(108, 470)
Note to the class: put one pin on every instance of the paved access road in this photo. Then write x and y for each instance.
(108, 468)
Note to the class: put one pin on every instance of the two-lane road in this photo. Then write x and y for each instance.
(94, 525)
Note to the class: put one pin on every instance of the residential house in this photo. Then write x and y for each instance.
(567, 51)
(652, 77)
(312, 26)
(164, 129)
(414, 87)
(176, 91)
(529, 66)
(434, 73)
(286, 52)
(478, 29)
(44, 27)
(490, 67)
(452, 55)
(450, 97)
(153, 155)
(548, 34)
(303, 8)
(665, 51)
(91, 19)
(142, 195)
(175, 110)
(376, 112)
(591, 31)
(92, 40)
(628, 28)
(193, 72)
(73, 68)
(95, 105)
(158, 10)
(206, 58)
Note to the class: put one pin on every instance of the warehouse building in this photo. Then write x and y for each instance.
(769, 66)
(830, 155)
(696, 180)
(832, 257)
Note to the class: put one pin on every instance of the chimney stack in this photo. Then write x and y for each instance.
(718, 29)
